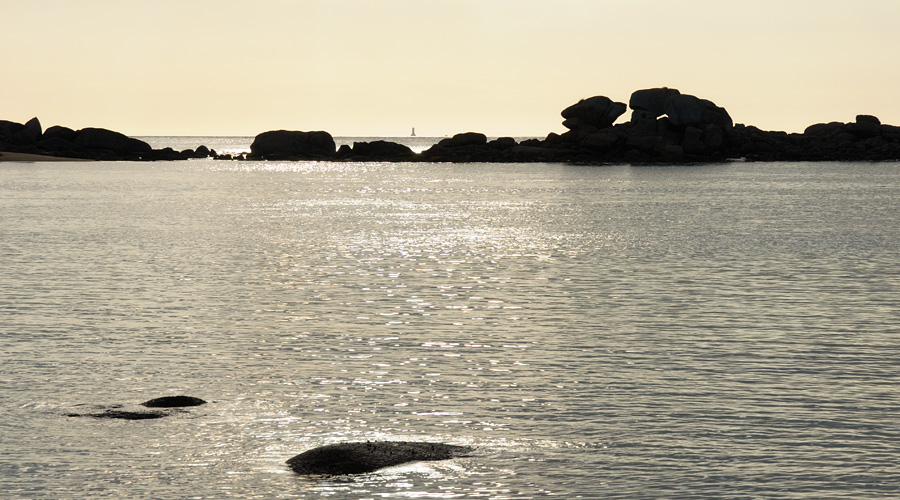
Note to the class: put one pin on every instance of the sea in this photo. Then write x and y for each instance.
(711, 331)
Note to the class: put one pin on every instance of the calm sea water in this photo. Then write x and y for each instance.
(239, 145)
(716, 331)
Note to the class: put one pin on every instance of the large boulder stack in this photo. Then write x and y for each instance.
(665, 126)
(292, 145)
(593, 114)
(669, 126)
(651, 103)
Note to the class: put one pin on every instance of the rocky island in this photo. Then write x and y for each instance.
(665, 126)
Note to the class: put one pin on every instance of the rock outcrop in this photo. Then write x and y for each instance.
(376, 151)
(651, 103)
(359, 458)
(87, 144)
(592, 114)
(109, 140)
(865, 139)
(666, 126)
(292, 145)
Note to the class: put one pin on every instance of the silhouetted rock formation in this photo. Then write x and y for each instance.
(376, 151)
(87, 143)
(866, 139)
(103, 139)
(292, 145)
(650, 103)
(465, 147)
(592, 114)
(666, 126)
(359, 458)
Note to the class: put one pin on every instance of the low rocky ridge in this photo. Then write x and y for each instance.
(170, 405)
(359, 458)
(665, 126)
(87, 144)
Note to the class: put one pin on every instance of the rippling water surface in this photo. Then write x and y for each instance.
(719, 331)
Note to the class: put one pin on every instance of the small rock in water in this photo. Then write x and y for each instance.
(358, 458)
(173, 402)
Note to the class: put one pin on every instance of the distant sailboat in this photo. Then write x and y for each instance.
(413, 134)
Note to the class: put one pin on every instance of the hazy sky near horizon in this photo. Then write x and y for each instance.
(380, 67)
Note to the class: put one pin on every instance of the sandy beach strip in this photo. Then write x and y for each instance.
(26, 157)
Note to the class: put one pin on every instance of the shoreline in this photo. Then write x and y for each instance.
(9, 157)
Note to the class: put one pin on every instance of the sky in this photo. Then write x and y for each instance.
(381, 67)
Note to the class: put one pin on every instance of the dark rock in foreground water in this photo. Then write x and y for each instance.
(358, 458)
(173, 402)
(125, 415)
(132, 415)
(171, 405)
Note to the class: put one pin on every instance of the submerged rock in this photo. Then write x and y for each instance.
(173, 402)
(359, 458)
(171, 405)
(123, 414)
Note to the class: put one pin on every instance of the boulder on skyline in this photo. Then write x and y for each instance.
(292, 144)
(104, 139)
(593, 114)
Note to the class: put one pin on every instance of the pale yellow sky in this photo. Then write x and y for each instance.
(379, 67)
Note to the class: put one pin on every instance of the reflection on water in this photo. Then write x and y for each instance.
(723, 331)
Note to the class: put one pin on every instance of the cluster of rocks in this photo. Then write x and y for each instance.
(328, 460)
(87, 143)
(665, 126)
(865, 139)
